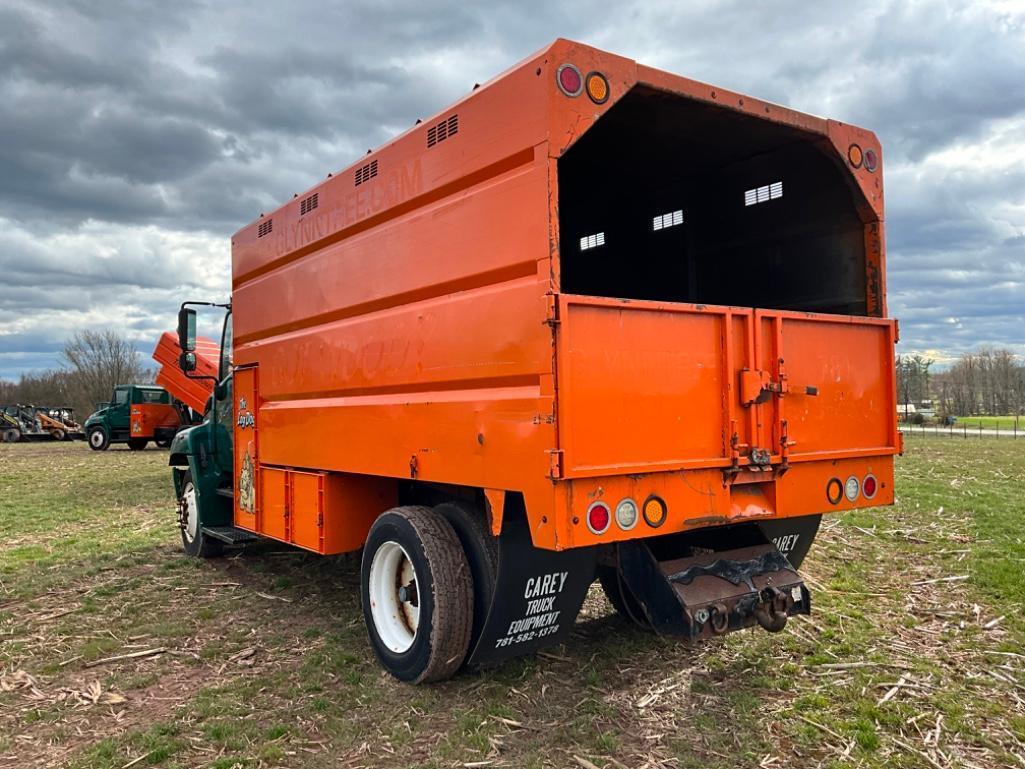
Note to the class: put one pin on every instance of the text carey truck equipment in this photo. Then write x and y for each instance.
(593, 319)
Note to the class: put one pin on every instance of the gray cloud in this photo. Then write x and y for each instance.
(136, 137)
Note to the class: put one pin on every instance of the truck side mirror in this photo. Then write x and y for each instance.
(187, 361)
(187, 332)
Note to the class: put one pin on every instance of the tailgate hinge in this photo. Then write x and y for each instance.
(552, 309)
(555, 459)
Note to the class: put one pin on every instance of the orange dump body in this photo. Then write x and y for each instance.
(540, 294)
(146, 418)
(194, 393)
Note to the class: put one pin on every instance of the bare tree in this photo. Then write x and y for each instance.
(96, 362)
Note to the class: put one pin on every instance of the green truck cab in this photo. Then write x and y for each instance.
(202, 456)
(136, 414)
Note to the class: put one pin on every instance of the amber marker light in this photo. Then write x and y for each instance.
(654, 511)
(597, 87)
(855, 155)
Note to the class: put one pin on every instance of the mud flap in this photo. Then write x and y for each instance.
(714, 593)
(538, 594)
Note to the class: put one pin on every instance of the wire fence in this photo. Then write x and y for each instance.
(1007, 431)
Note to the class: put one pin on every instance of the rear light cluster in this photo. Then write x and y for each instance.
(858, 158)
(852, 488)
(626, 514)
(572, 83)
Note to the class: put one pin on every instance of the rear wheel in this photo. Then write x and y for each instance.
(164, 443)
(621, 598)
(194, 541)
(99, 438)
(12, 435)
(58, 435)
(417, 593)
(137, 444)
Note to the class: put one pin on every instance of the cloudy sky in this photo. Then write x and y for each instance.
(136, 137)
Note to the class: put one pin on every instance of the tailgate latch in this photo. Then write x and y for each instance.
(756, 386)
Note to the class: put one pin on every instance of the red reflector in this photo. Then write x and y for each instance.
(871, 160)
(869, 486)
(598, 517)
(570, 80)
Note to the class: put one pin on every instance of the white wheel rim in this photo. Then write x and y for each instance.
(96, 438)
(190, 524)
(396, 620)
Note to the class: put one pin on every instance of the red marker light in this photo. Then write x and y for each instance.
(570, 81)
(871, 160)
(598, 517)
(869, 486)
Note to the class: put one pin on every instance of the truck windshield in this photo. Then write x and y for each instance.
(671, 199)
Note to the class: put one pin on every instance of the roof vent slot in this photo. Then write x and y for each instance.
(265, 228)
(763, 194)
(308, 204)
(366, 173)
(443, 130)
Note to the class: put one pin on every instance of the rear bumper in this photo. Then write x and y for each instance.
(696, 499)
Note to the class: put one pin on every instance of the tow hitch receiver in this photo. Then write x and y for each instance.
(714, 593)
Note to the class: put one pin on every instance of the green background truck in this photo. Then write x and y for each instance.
(136, 415)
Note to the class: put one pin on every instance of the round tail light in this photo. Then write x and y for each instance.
(871, 160)
(869, 486)
(654, 511)
(834, 491)
(851, 488)
(597, 87)
(598, 517)
(570, 81)
(626, 514)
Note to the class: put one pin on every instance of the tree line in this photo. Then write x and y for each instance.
(988, 381)
(91, 364)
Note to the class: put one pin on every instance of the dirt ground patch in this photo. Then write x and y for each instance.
(117, 651)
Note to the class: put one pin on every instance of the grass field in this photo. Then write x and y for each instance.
(914, 656)
(989, 423)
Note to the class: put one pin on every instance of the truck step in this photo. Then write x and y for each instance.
(708, 594)
(230, 534)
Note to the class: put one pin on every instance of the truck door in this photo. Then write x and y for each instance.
(119, 410)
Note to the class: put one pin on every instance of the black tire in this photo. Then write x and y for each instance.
(137, 444)
(194, 541)
(481, 549)
(99, 438)
(12, 435)
(443, 589)
(58, 435)
(164, 443)
(619, 595)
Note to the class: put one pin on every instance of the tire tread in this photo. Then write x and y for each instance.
(453, 591)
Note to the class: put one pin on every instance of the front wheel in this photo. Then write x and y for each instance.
(417, 592)
(99, 438)
(137, 444)
(194, 541)
(11, 435)
(164, 443)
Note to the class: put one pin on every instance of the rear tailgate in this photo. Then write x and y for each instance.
(655, 386)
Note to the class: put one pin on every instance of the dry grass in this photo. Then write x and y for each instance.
(116, 651)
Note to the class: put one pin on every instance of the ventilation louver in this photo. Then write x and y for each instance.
(308, 204)
(443, 130)
(366, 173)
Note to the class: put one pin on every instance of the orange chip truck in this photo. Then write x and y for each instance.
(592, 321)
